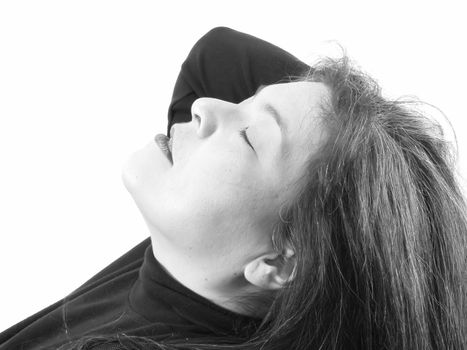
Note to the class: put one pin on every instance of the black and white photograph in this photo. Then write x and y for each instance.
(261, 175)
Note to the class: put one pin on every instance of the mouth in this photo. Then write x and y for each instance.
(165, 144)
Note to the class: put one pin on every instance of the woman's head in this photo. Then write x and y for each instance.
(376, 219)
(212, 212)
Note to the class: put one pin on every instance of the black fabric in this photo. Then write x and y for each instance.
(229, 65)
(134, 295)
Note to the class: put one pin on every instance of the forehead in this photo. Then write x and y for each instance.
(301, 97)
(299, 105)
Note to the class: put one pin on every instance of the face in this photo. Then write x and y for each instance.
(220, 198)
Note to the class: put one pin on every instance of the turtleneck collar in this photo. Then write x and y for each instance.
(155, 288)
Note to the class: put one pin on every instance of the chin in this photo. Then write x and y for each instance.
(145, 167)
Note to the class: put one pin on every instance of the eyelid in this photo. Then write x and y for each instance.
(245, 137)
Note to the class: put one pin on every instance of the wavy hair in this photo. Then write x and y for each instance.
(378, 226)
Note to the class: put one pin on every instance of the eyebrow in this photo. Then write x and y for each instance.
(272, 111)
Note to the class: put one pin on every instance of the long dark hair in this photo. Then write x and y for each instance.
(378, 225)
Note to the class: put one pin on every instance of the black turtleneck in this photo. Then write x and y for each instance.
(134, 294)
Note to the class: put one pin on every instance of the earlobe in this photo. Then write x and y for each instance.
(271, 271)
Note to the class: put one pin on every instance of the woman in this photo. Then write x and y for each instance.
(312, 214)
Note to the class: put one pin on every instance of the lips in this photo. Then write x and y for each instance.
(163, 143)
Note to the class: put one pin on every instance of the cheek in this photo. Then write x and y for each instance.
(210, 200)
(214, 179)
(219, 188)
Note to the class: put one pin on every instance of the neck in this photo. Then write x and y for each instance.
(233, 293)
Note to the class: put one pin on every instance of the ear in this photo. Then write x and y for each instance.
(272, 270)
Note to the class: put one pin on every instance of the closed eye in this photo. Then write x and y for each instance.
(245, 137)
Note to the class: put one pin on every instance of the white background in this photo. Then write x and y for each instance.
(83, 84)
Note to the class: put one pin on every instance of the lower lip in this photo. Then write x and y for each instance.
(162, 141)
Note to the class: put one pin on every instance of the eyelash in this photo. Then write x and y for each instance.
(242, 133)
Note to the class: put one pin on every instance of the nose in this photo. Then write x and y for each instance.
(212, 113)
